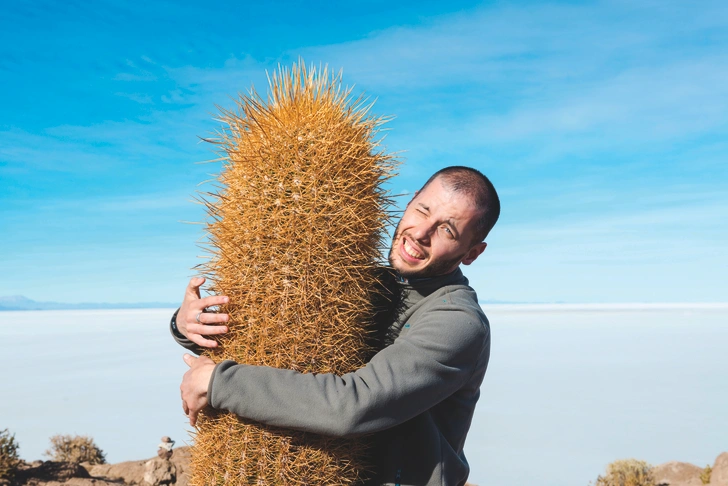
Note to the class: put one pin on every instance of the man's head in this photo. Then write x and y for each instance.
(445, 224)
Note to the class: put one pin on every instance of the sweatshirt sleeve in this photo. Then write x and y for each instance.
(181, 339)
(420, 369)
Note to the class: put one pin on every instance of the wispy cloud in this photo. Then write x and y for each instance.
(640, 105)
(575, 78)
(602, 124)
(534, 43)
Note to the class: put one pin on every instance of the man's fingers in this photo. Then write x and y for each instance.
(212, 318)
(213, 300)
(193, 288)
(194, 385)
(205, 343)
(193, 417)
(207, 319)
(204, 330)
(189, 359)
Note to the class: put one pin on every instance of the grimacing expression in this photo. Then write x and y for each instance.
(435, 234)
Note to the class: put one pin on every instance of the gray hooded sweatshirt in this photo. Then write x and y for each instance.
(418, 394)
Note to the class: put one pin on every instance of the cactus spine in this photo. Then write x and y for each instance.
(295, 232)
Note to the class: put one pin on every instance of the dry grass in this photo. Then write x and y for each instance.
(9, 458)
(627, 472)
(295, 234)
(705, 474)
(75, 449)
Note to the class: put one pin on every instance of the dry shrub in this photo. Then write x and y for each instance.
(9, 458)
(705, 474)
(627, 472)
(75, 449)
(295, 238)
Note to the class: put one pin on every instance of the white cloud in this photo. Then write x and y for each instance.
(641, 104)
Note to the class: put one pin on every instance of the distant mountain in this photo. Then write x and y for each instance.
(22, 303)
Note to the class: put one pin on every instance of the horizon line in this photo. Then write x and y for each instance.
(495, 305)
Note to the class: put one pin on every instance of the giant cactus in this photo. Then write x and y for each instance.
(295, 232)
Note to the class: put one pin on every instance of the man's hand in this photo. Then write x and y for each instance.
(193, 323)
(194, 385)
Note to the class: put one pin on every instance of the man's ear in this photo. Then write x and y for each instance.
(474, 253)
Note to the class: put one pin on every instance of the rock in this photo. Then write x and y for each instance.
(159, 471)
(74, 482)
(719, 476)
(164, 453)
(181, 460)
(150, 472)
(135, 472)
(89, 482)
(676, 473)
(131, 472)
(50, 471)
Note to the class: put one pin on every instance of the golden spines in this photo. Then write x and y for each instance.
(295, 234)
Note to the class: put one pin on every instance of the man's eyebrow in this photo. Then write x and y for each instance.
(426, 208)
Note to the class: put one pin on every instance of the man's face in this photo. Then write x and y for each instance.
(435, 233)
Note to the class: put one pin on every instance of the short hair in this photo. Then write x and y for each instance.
(473, 183)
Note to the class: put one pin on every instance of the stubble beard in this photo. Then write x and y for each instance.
(434, 269)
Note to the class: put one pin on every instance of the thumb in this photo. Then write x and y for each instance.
(189, 359)
(193, 288)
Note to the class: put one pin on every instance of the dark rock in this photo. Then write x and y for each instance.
(50, 471)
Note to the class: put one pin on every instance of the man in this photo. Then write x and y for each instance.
(418, 393)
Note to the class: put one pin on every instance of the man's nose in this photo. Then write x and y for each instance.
(422, 232)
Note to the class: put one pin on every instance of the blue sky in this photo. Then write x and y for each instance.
(603, 125)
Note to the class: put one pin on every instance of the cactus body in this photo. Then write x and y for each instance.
(295, 233)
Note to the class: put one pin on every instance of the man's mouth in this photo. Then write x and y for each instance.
(411, 250)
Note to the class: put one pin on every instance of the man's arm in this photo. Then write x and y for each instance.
(438, 355)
